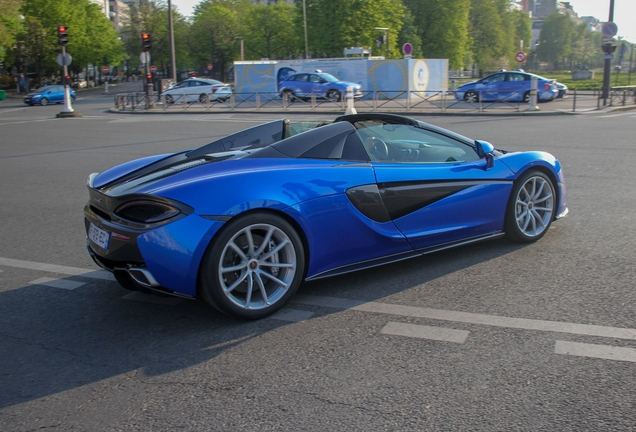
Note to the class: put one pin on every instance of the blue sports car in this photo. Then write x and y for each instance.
(242, 221)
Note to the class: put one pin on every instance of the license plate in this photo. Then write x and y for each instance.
(98, 236)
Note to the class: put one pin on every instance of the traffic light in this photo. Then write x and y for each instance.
(62, 37)
(145, 42)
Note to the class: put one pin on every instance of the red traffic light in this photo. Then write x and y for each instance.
(62, 37)
(145, 42)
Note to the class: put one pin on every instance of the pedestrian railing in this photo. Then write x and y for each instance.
(386, 101)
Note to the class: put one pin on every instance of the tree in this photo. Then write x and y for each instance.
(488, 33)
(442, 27)
(335, 25)
(10, 24)
(269, 31)
(556, 38)
(214, 36)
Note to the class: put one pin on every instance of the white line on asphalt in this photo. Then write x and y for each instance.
(27, 121)
(425, 332)
(467, 317)
(618, 115)
(57, 283)
(596, 351)
(292, 315)
(52, 268)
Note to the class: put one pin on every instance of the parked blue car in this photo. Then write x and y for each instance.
(507, 86)
(302, 85)
(242, 221)
(47, 95)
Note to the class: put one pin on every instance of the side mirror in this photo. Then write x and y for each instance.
(485, 151)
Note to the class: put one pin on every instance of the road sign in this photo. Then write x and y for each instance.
(67, 57)
(105, 69)
(407, 49)
(520, 56)
(609, 29)
(209, 66)
(144, 57)
(153, 68)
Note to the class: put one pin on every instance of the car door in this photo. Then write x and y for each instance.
(515, 86)
(490, 87)
(301, 85)
(318, 85)
(436, 189)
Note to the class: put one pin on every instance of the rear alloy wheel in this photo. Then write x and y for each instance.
(169, 100)
(44, 101)
(334, 95)
(531, 207)
(526, 97)
(253, 267)
(202, 98)
(471, 97)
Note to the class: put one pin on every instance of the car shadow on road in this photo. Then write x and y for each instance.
(55, 340)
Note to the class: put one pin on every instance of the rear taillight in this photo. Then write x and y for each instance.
(146, 211)
(214, 89)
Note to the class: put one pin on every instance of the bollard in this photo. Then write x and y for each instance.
(534, 83)
(350, 108)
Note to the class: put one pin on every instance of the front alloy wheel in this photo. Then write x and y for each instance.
(44, 101)
(253, 267)
(531, 207)
(334, 96)
(471, 97)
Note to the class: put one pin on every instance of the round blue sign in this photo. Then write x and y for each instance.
(609, 29)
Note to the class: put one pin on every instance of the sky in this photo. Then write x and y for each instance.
(624, 12)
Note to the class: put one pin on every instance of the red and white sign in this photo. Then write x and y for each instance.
(520, 56)
(153, 68)
(407, 49)
(105, 69)
(209, 66)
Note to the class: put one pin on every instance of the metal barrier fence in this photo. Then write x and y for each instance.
(387, 101)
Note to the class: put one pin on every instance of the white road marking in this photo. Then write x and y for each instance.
(57, 283)
(52, 268)
(618, 115)
(149, 298)
(467, 317)
(292, 315)
(605, 352)
(425, 332)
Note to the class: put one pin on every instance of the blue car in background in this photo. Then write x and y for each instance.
(507, 86)
(47, 95)
(302, 85)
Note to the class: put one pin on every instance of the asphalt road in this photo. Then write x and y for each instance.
(493, 336)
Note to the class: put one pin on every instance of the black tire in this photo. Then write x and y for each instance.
(531, 207)
(44, 101)
(471, 96)
(169, 99)
(526, 97)
(234, 282)
(202, 98)
(290, 95)
(334, 95)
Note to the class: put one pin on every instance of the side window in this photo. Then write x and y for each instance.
(315, 79)
(411, 145)
(516, 77)
(302, 78)
(497, 78)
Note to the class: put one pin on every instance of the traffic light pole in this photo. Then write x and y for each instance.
(607, 49)
(67, 92)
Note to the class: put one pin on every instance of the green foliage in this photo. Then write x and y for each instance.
(333, 25)
(10, 25)
(442, 28)
(490, 42)
(215, 36)
(556, 38)
(269, 31)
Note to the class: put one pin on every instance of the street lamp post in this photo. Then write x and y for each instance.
(305, 25)
(173, 63)
(608, 60)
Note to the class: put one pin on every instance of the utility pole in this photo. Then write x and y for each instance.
(173, 62)
(608, 49)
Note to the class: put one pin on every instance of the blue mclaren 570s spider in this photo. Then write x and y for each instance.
(243, 221)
